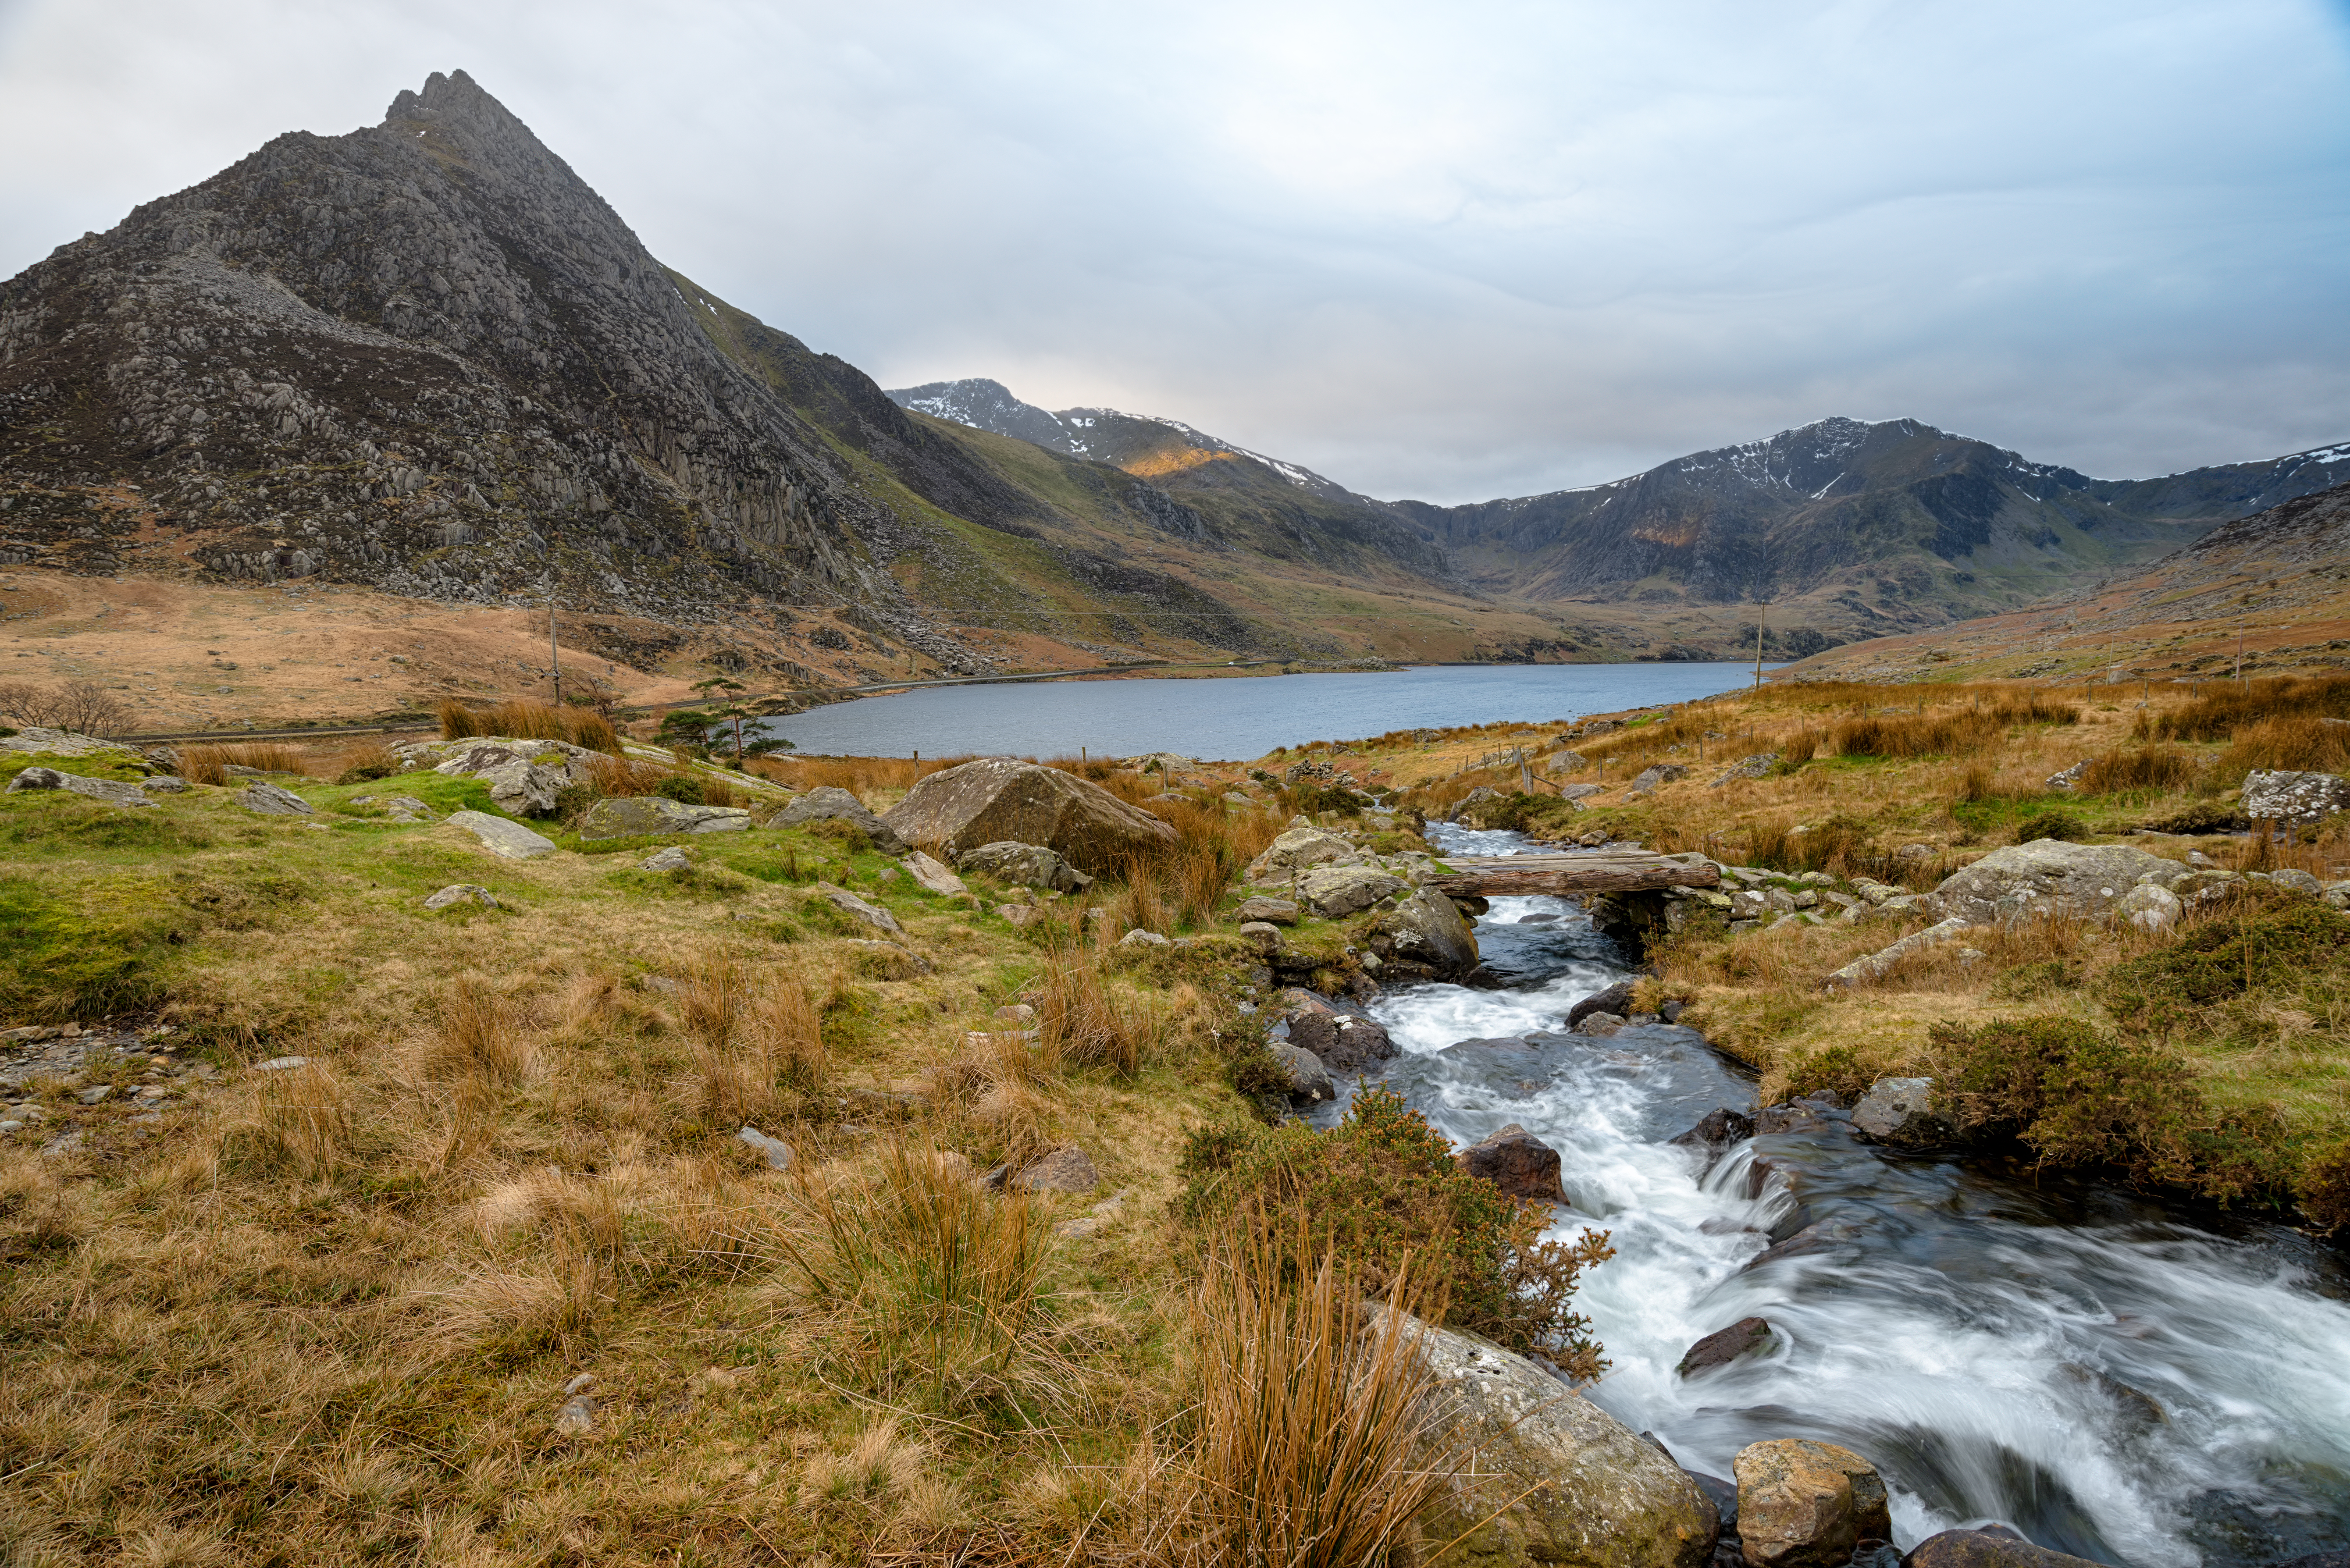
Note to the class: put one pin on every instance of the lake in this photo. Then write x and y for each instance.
(1234, 718)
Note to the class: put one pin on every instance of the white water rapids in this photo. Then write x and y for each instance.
(2126, 1382)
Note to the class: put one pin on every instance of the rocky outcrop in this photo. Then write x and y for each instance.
(1023, 865)
(639, 816)
(1427, 928)
(998, 799)
(2294, 797)
(1561, 1480)
(1803, 1504)
(1517, 1162)
(112, 791)
(2048, 879)
(829, 803)
(1301, 847)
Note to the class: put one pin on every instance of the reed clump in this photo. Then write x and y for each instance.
(525, 720)
(210, 764)
(2230, 706)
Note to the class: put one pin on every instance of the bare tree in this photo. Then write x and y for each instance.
(23, 702)
(82, 706)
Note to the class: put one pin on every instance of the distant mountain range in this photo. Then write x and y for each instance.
(1853, 528)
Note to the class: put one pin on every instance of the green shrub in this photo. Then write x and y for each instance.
(2324, 1187)
(685, 788)
(1837, 1069)
(2203, 816)
(2059, 825)
(2278, 943)
(1382, 1186)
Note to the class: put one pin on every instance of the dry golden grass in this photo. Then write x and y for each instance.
(526, 720)
(207, 765)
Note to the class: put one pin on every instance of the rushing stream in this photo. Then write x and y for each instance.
(2119, 1380)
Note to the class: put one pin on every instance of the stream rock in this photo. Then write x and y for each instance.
(1902, 1112)
(1803, 1504)
(1343, 1042)
(831, 803)
(998, 800)
(1517, 1162)
(1997, 1547)
(1617, 999)
(1720, 1348)
(1717, 1130)
(1308, 1079)
(1428, 928)
(1571, 1484)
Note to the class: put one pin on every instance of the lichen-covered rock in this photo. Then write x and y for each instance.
(1661, 774)
(1560, 1480)
(39, 740)
(1062, 1171)
(830, 803)
(1334, 892)
(1427, 928)
(113, 792)
(273, 800)
(2283, 796)
(998, 799)
(2149, 908)
(1902, 1112)
(1803, 1504)
(848, 903)
(933, 876)
(1273, 911)
(1873, 964)
(1308, 1079)
(508, 840)
(461, 893)
(639, 816)
(1023, 865)
(2048, 879)
(1301, 847)
(524, 789)
(1752, 767)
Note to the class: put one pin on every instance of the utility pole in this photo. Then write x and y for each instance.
(554, 648)
(2240, 653)
(1759, 622)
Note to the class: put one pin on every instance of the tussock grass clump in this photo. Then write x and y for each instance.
(2301, 742)
(1950, 733)
(525, 721)
(1382, 1186)
(2148, 769)
(478, 1036)
(365, 762)
(2229, 707)
(299, 1121)
(209, 764)
(1081, 1022)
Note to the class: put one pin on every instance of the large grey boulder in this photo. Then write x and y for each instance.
(1023, 865)
(1571, 1484)
(1336, 891)
(110, 791)
(273, 800)
(525, 788)
(2048, 879)
(832, 805)
(1903, 1111)
(508, 840)
(1428, 927)
(2283, 797)
(1301, 847)
(1000, 799)
(639, 816)
(873, 915)
(1869, 966)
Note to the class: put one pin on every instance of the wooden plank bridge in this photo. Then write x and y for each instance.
(1599, 871)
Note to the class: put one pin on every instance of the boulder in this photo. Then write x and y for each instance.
(1997, 1547)
(652, 815)
(1062, 1171)
(110, 791)
(1139, 937)
(1902, 1112)
(164, 784)
(1344, 1041)
(1308, 1079)
(1717, 1130)
(673, 858)
(41, 741)
(1517, 1162)
(2283, 797)
(1427, 928)
(524, 788)
(998, 799)
(1601, 1025)
(1803, 1504)
(407, 808)
(933, 876)
(509, 840)
(873, 915)
(461, 893)
(1866, 969)
(1334, 892)
(774, 1150)
(1023, 865)
(273, 800)
(1722, 1347)
(831, 805)
(1661, 774)
(1617, 999)
(1571, 1484)
(1301, 847)
(2049, 878)
(1275, 911)
(1262, 935)
(1752, 767)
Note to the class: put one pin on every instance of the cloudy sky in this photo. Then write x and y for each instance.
(1447, 251)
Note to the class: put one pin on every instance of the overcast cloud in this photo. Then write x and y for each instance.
(1453, 251)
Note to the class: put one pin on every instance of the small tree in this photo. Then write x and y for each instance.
(720, 692)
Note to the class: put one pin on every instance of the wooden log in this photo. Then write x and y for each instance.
(1506, 876)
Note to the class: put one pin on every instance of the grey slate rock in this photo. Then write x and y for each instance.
(833, 805)
(109, 791)
(459, 893)
(508, 840)
(273, 800)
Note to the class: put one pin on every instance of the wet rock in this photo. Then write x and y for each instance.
(1023, 865)
(1335, 892)
(1902, 1112)
(1617, 999)
(1720, 1348)
(1999, 1548)
(1427, 928)
(1600, 1025)
(273, 800)
(848, 903)
(1300, 848)
(1308, 1079)
(831, 803)
(1517, 1162)
(1717, 1130)
(461, 893)
(1820, 1236)
(1790, 1115)
(998, 800)
(933, 876)
(1062, 1171)
(508, 840)
(1803, 1504)
(774, 1150)
(2048, 878)
(1273, 911)
(2300, 798)
(1572, 1484)
(109, 791)
(645, 816)
(1345, 1042)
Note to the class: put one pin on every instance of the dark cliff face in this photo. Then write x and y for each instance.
(427, 356)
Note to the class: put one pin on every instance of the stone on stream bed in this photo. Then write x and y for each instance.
(1308, 1079)
(1996, 1546)
(1803, 1504)
(1563, 1481)
(1902, 1112)
(1720, 1348)
(1343, 1042)
(1517, 1162)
